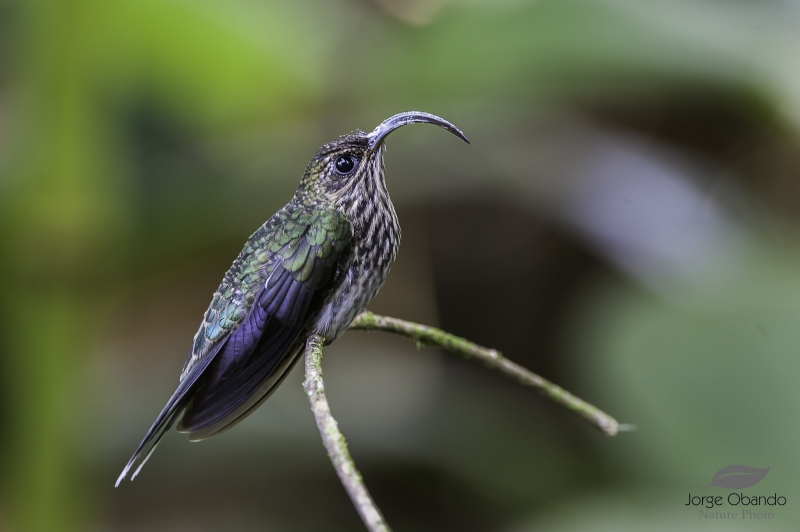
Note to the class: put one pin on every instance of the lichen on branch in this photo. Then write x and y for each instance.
(424, 335)
(334, 440)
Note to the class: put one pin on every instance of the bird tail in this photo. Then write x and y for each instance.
(164, 421)
(171, 412)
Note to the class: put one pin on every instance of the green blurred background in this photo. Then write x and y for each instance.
(625, 223)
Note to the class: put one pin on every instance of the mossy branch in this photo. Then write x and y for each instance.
(431, 336)
(424, 336)
(334, 440)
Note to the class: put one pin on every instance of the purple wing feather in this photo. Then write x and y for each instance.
(223, 382)
(255, 349)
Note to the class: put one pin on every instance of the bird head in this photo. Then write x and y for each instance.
(352, 166)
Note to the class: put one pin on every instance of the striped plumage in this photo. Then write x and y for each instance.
(312, 267)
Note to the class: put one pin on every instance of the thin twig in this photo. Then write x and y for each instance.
(334, 440)
(431, 336)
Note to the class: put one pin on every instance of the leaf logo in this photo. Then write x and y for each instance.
(737, 477)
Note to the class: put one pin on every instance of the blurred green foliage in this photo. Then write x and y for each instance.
(141, 141)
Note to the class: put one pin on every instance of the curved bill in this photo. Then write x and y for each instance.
(380, 133)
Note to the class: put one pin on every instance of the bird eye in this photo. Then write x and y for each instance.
(345, 164)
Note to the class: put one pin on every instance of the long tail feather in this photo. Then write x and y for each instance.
(163, 423)
(172, 410)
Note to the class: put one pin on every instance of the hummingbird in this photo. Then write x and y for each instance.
(309, 269)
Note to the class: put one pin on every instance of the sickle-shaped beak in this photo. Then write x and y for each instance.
(380, 133)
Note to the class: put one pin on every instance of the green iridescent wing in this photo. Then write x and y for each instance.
(305, 242)
(254, 327)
